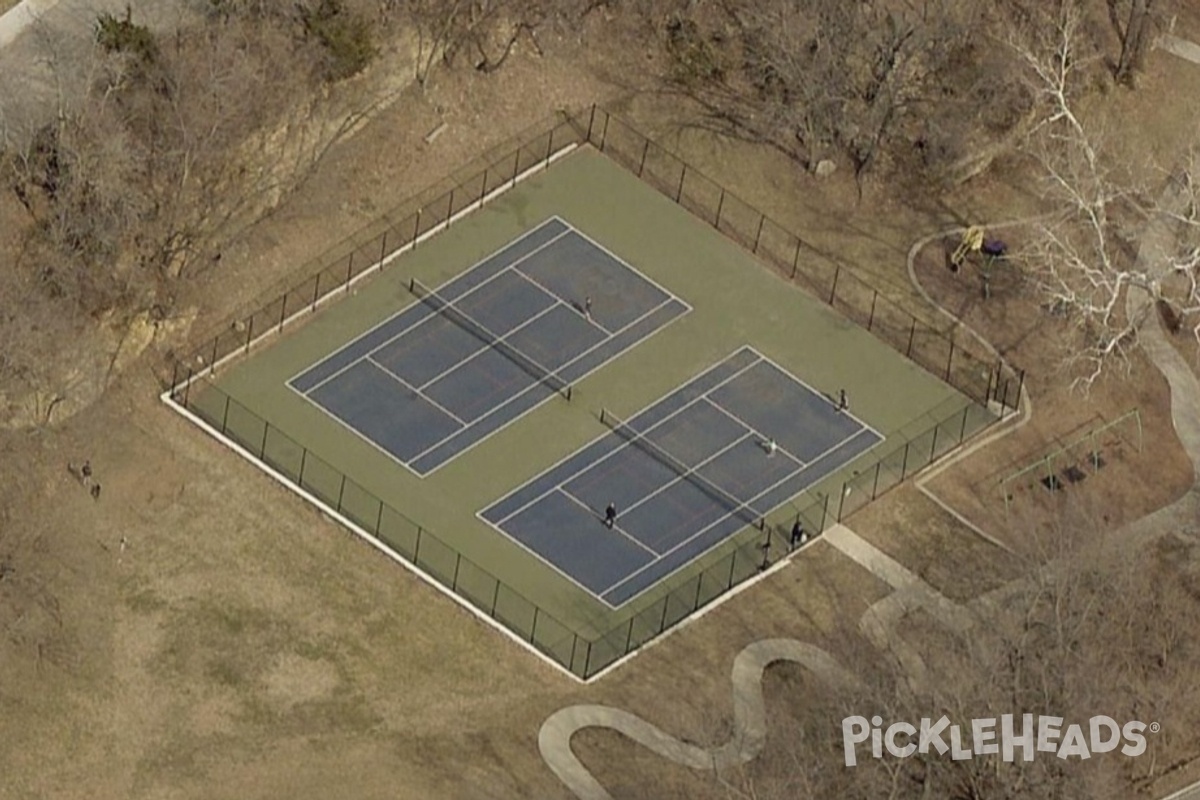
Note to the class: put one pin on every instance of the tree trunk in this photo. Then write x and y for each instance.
(1137, 40)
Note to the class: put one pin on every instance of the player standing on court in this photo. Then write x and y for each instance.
(610, 515)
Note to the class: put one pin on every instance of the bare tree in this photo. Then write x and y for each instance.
(1083, 257)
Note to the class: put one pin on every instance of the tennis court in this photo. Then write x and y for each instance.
(714, 456)
(489, 346)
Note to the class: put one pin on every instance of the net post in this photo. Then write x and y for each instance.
(833, 288)
(662, 623)
(679, 191)
(762, 218)
(720, 205)
(642, 163)
(871, 317)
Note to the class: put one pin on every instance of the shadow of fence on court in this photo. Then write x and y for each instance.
(584, 656)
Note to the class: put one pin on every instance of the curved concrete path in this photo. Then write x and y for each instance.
(909, 591)
(749, 720)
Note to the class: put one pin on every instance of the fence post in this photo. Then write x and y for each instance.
(933, 445)
(533, 627)
(417, 559)
(379, 518)
(349, 269)
(587, 659)
(732, 565)
(629, 635)
(483, 189)
(187, 387)
(824, 512)
(1020, 386)
(871, 318)
(450, 208)
(642, 163)
(679, 191)
(699, 583)
(316, 291)
(249, 333)
(262, 450)
(603, 139)
(495, 599)
(574, 644)
(762, 218)
(341, 493)
(516, 165)
(949, 361)
(300, 477)
(591, 121)
(662, 623)
(912, 332)
(841, 501)
(962, 434)
(212, 362)
(225, 415)
(904, 463)
(383, 249)
(283, 311)
(457, 564)
(550, 145)
(833, 289)
(875, 487)
(416, 228)
(796, 258)
(720, 204)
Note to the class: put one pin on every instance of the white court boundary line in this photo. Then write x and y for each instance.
(207, 370)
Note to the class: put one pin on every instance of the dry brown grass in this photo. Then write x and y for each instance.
(244, 646)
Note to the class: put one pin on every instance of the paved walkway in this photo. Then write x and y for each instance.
(909, 591)
(45, 54)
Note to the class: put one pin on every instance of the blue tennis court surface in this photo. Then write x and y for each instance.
(684, 474)
(487, 347)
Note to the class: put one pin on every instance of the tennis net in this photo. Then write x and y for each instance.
(734, 506)
(446, 308)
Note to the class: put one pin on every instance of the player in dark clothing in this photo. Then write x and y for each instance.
(610, 515)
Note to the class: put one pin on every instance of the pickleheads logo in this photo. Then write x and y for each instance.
(1003, 737)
